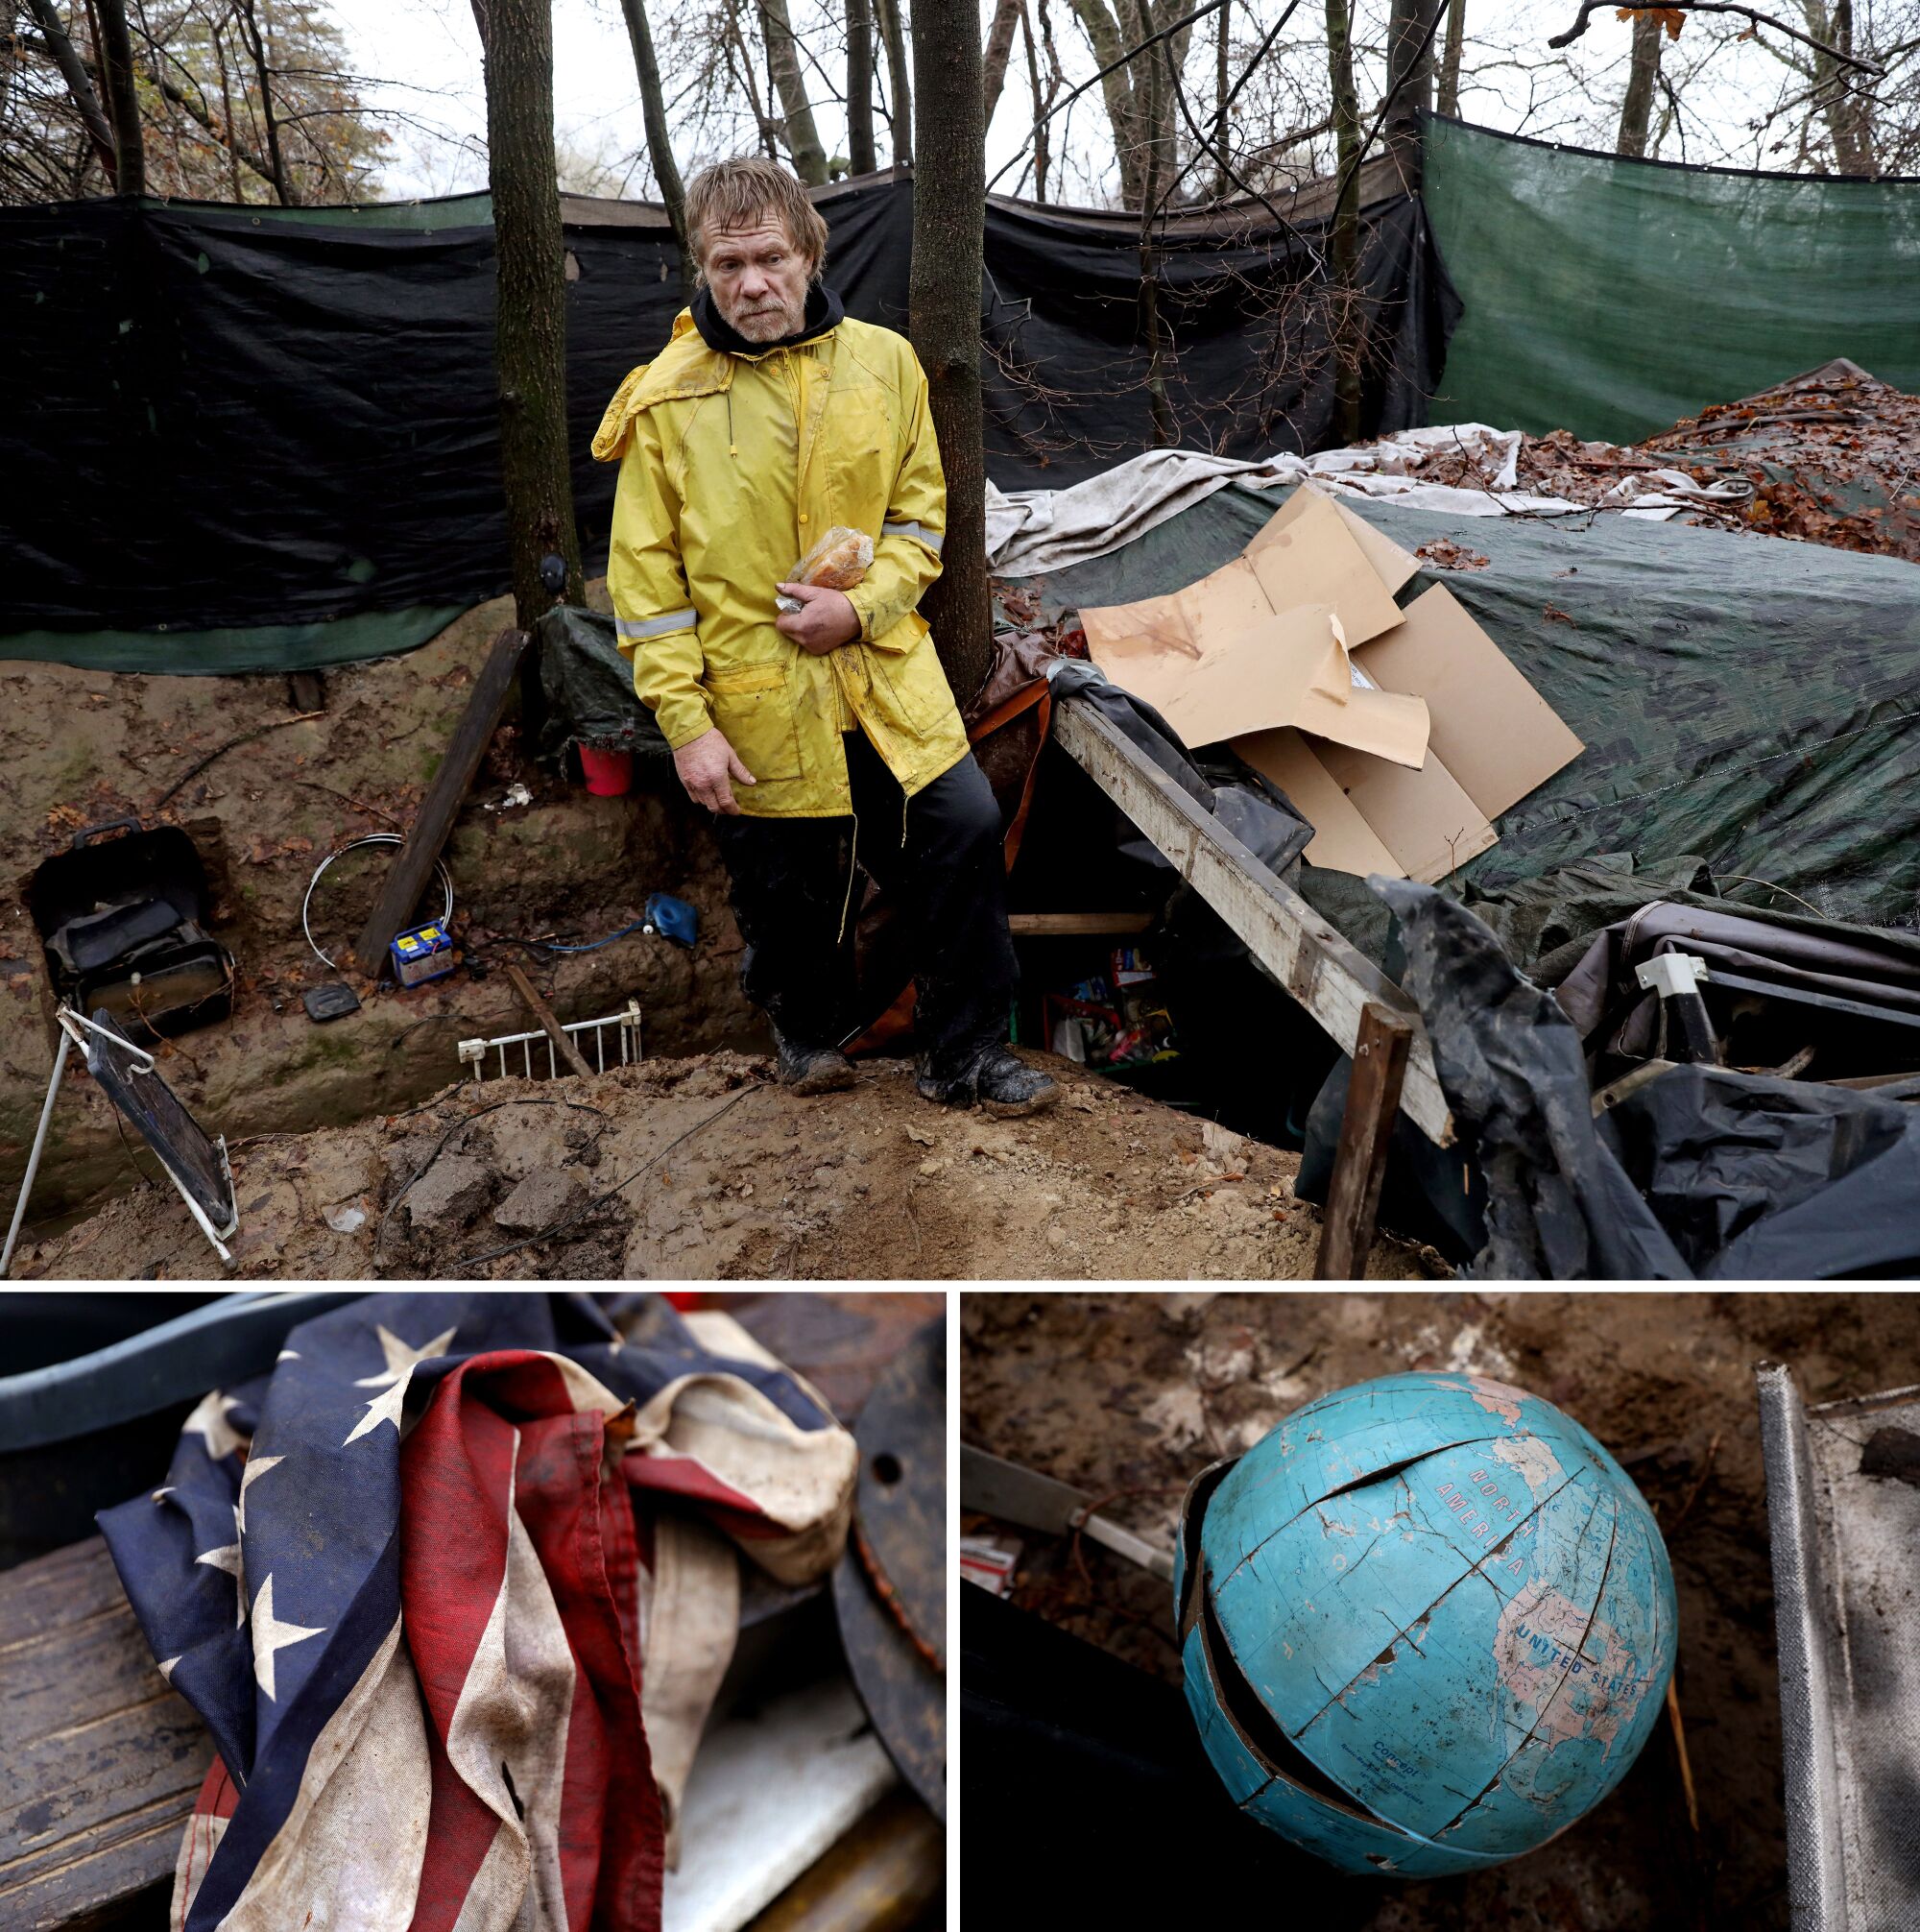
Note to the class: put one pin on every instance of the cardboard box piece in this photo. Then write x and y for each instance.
(1400, 734)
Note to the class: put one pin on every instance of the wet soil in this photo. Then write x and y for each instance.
(704, 1169)
(81, 747)
(1129, 1396)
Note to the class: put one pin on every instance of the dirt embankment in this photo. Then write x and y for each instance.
(704, 1169)
(81, 747)
(1134, 1393)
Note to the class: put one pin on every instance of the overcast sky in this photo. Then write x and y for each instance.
(427, 54)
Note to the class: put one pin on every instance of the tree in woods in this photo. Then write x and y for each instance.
(949, 211)
(530, 315)
(1650, 24)
(660, 140)
(230, 99)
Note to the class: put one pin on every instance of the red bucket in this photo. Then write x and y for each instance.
(607, 773)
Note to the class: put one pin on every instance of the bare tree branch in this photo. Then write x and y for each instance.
(1589, 7)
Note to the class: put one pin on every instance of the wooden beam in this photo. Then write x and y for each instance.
(562, 1041)
(414, 862)
(1062, 925)
(1366, 1126)
(99, 1760)
(1331, 977)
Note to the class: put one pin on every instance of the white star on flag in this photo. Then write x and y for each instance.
(383, 1409)
(401, 1358)
(228, 1559)
(209, 1421)
(271, 1635)
(256, 1466)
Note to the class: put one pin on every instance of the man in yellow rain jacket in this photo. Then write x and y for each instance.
(826, 733)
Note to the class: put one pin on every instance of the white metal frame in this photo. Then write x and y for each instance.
(74, 1028)
(473, 1053)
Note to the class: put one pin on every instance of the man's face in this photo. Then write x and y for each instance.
(758, 279)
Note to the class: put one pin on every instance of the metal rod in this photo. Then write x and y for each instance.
(34, 1158)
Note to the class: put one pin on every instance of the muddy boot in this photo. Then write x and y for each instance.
(814, 1070)
(1000, 1082)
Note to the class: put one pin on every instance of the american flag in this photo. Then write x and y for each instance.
(452, 1588)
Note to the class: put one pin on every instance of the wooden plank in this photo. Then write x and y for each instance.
(1366, 1126)
(574, 1060)
(1058, 924)
(99, 1760)
(414, 862)
(1332, 978)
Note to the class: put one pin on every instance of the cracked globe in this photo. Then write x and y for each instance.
(1425, 1623)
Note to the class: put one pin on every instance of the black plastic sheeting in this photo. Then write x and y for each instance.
(231, 417)
(1700, 1173)
(1092, 1803)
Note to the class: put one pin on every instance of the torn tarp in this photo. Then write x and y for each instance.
(1700, 1173)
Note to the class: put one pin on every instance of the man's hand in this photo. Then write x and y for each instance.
(706, 764)
(826, 620)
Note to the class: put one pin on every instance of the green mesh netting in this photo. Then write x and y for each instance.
(1612, 296)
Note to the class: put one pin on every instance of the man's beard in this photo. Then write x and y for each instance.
(769, 323)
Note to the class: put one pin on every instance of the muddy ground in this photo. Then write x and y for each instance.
(81, 747)
(1137, 1392)
(704, 1169)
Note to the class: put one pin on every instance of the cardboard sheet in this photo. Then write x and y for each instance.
(1491, 729)
(1395, 566)
(1263, 642)
(1401, 735)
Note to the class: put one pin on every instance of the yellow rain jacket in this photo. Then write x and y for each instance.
(732, 467)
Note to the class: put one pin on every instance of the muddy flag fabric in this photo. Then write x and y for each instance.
(453, 1588)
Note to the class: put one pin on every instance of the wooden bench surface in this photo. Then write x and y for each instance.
(99, 1760)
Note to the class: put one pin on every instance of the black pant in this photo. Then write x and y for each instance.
(941, 860)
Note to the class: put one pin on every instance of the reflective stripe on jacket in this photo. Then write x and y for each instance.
(731, 468)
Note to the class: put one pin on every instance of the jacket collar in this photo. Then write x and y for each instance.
(825, 313)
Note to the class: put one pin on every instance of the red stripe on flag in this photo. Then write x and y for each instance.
(456, 1474)
(613, 1837)
(455, 1471)
(687, 1476)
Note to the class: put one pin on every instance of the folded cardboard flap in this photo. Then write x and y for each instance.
(1394, 566)
(1401, 754)
(1492, 729)
(1249, 647)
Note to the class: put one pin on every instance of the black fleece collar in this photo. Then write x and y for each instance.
(825, 310)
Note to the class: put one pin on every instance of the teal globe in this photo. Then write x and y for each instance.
(1425, 1623)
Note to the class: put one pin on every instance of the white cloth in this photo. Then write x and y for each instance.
(1030, 532)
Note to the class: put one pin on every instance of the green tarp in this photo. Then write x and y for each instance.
(1612, 296)
(1745, 699)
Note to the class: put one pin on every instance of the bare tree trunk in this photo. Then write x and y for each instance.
(860, 86)
(1449, 59)
(123, 102)
(73, 71)
(1845, 105)
(1643, 75)
(1222, 86)
(900, 87)
(1108, 40)
(949, 217)
(999, 51)
(660, 144)
(1409, 79)
(803, 135)
(256, 46)
(232, 135)
(736, 45)
(1345, 241)
(1040, 152)
(530, 315)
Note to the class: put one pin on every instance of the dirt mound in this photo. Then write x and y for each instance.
(704, 1169)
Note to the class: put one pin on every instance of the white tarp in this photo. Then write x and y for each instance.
(1032, 531)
